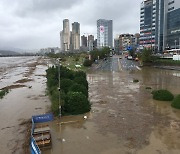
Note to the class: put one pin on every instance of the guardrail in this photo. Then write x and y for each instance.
(38, 119)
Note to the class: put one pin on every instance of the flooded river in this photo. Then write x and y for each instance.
(26, 81)
(124, 118)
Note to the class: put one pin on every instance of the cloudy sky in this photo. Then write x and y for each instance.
(34, 24)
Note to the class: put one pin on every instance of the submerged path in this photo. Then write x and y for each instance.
(124, 118)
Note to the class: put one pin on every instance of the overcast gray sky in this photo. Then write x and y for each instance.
(34, 24)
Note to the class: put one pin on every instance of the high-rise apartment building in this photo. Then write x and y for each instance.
(90, 42)
(104, 33)
(159, 24)
(70, 40)
(83, 41)
(75, 36)
(66, 35)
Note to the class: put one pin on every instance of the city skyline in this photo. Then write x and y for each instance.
(36, 24)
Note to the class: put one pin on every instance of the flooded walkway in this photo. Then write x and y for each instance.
(26, 81)
(124, 118)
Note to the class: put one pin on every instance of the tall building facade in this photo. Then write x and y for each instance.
(125, 40)
(75, 36)
(104, 33)
(66, 35)
(159, 24)
(83, 41)
(173, 24)
(90, 42)
(70, 40)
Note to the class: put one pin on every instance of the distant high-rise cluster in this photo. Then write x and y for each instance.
(160, 24)
(70, 40)
(104, 33)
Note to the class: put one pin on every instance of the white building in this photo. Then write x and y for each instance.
(104, 33)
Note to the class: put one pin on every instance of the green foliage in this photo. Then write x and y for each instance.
(167, 62)
(66, 73)
(81, 80)
(80, 74)
(146, 55)
(66, 84)
(76, 103)
(71, 82)
(176, 102)
(3, 93)
(103, 53)
(79, 88)
(162, 95)
(87, 63)
(135, 80)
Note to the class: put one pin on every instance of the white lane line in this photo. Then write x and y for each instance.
(138, 68)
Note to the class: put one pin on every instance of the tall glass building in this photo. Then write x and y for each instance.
(104, 33)
(159, 24)
(173, 24)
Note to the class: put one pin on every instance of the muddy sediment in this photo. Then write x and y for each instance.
(16, 108)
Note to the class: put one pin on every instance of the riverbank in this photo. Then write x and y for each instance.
(25, 79)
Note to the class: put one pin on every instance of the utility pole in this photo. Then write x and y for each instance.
(59, 87)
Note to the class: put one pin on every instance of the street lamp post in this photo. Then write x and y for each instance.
(59, 88)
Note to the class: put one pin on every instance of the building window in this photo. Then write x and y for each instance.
(170, 2)
(170, 9)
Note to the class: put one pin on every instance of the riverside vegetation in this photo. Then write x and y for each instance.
(165, 95)
(3, 93)
(73, 93)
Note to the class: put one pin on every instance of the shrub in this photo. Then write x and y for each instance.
(148, 88)
(135, 80)
(80, 74)
(81, 80)
(176, 102)
(162, 95)
(87, 63)
(76, 103)
(3, 93)
(66, 73)
(66, 84)
(79, 88)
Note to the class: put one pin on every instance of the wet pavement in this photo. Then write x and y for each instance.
(124, 118)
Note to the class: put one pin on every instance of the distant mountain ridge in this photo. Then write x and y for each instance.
(8, 52)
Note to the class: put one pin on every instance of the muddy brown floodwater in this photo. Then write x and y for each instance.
(26, 81)
(124, 118)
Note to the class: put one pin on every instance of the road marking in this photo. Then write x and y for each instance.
(120, 68)
(138, 68)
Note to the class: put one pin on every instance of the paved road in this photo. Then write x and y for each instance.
(116, 64)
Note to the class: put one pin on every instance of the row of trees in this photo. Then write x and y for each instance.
(97, 54)
(73, 91)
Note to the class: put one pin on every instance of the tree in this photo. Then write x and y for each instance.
(146, 55)
(87, 63)
(81, 80)
(76, 103)
(79, 88)
(66, 84)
